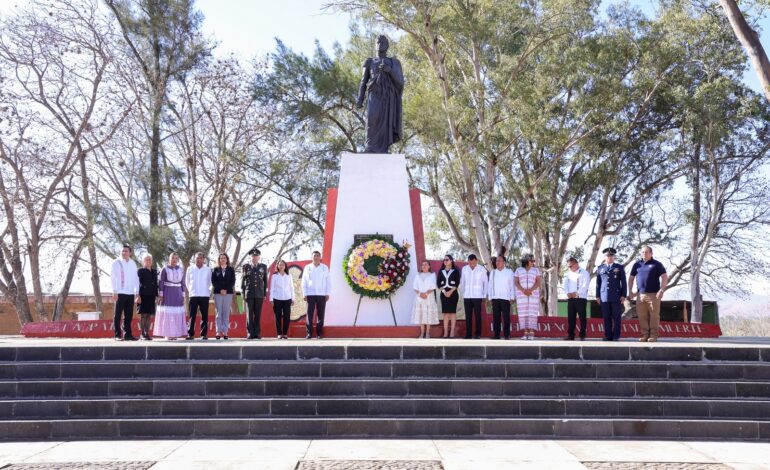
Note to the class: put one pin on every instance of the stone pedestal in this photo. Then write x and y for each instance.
(373, 197)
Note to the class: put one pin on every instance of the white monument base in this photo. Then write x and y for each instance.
(372, 198)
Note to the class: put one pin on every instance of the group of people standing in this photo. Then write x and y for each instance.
(503, 286)
(162, 295)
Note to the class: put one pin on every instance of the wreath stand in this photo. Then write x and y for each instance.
(392, 310)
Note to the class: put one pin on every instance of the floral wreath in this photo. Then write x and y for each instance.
(376, 268)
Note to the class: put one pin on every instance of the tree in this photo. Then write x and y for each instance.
(57, 113)
(750, 40)
(164, 37)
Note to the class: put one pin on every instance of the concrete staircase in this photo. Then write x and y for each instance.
(343, 389)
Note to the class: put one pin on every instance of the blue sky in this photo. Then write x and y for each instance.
(249, 28)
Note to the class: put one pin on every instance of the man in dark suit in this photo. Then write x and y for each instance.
(254, 290)
(611, 292)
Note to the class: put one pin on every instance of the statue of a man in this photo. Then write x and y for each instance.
(384, 80)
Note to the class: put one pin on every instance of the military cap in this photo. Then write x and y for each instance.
(610, 251)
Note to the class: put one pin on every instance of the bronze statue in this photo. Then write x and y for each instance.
(384, 80)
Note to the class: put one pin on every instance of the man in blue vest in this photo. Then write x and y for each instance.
(611, 291)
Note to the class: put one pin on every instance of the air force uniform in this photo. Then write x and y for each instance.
(611, 287)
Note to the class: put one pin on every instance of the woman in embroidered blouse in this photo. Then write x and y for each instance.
(527, 282)
(170, 318)
(448, 279)
(425, 311)
(281, 298)
(223, 282)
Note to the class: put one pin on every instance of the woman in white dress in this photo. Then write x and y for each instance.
(425, 312)
(527, 282)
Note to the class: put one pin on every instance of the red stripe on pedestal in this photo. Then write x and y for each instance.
(331, 216)
(419, 233)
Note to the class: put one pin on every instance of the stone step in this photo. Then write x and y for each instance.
(458, 349)
(378, 406)
(546, 369)
(255, 387)
(370, 427)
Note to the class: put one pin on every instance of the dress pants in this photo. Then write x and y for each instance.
(316, 304)
(576, 307)
(254, 316)
(612, 313)
(123, 306)
(472, 317)
(501, 310)
(282, 311)
(196, 304)
(222, 304)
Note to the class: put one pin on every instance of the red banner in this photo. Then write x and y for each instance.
(549, 327)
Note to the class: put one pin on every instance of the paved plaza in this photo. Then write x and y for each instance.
(383, 454)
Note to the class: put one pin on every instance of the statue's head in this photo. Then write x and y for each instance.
(382, 43)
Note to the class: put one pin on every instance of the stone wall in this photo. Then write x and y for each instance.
(9, 320)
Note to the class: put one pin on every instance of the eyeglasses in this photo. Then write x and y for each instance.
(447, 259)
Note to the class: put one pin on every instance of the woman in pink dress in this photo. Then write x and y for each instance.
(170, 318)
(527, 282)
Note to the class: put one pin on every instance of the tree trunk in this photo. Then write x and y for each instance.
(750, 40)
(697, 301)
(61, 298)
(155, 170)
(89, 236)
(37, 287)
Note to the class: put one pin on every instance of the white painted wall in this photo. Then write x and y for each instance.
(373, 197)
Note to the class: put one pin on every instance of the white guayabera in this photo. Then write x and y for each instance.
(55, 57)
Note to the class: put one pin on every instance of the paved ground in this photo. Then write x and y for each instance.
(384, 455)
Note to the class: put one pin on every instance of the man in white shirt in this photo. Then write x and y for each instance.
(473, 285)
(576, 287)
(315, 290)
(501, 293)
(198, 281)
(125, 284)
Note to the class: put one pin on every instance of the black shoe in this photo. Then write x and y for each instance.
(225, 337)
(148, 338)
(477, 337)
(582, 338)
(204, 338)
(496, 337)
(507, 337)
(468, 337)
(188, 338)
(606, 339)
(131, 338)
(569, 338)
